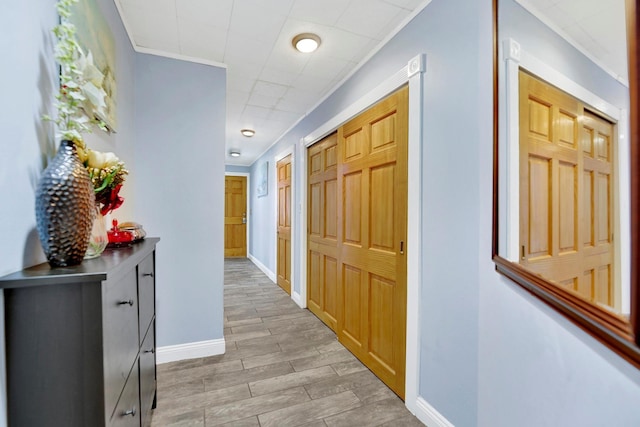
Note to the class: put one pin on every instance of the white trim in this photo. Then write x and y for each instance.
(413, 74)
(429, 415)
(179, 57)
(302, 220)
(270, 274)
(192, 350)
(624, 208)
(515, 58)
(297, 299)
(414, 236)
(156, 52)
(294, 255)
(248, 206)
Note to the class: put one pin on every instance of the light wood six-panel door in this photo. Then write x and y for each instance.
(358, 254)
(322, 238)
(284, 224)
(566, 192)
(235, 216)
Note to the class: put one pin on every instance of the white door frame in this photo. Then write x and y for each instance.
(412, 74)
(294, 255)
(248, 206)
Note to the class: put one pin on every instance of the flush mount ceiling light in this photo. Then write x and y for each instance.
(248, 132)
(234, 153)
(306, 42)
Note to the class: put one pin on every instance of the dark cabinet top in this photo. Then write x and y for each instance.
(111, 263)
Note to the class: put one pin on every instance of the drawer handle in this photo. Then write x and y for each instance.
(130, 302)
(131, 412)
(153, 350)
(147, 274)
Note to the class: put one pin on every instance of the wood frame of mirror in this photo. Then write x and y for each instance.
(616, 332)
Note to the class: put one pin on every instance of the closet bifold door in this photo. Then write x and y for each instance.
(372, 224)
(322, 237)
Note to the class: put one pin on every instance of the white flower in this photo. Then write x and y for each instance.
(100, 160)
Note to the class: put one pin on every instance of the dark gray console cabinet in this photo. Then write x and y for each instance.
(80, 341)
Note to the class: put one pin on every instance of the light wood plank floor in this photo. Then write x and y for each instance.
(282, 367)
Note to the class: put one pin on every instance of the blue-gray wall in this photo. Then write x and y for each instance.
(535, 367)
(31, 76)
(194, 311)
(491, 355)
(180, 126)
(237, 169)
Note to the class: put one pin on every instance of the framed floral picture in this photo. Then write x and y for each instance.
(263, 179)
(96, 40)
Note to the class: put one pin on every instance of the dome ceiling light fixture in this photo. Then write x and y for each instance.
(234, 153)
(248, 132)
(306, 42)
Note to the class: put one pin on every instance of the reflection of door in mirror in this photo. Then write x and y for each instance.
(563, 203)
(567, 213)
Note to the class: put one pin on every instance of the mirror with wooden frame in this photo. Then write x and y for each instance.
(566, 161)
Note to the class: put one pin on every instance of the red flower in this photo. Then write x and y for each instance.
(111, 200)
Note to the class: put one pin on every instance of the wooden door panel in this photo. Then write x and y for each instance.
(567, 129)
(568, 207)
(382, 208)
(352, 301)
(330, 297)
(354, 145)
(322, 235)
(539, 207)
(315, 208)
(566, 184)
(603, 234)
(235, 231)
(314, 288)
(357, 224)
(373, 176)
(352, 208)
(588, 232)
(603, 292)
(381, 309)
(383, 133)
(283, 266)
(331, 209)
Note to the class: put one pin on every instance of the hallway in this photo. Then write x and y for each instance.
(282, 367)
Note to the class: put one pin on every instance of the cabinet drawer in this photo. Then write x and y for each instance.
(120, 322)
(147, 362)
(127, 413)
(146, 294)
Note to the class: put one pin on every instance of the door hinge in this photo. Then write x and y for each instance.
(522, 254)
(401, 246)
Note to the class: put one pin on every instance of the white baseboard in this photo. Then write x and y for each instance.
(191, 350)
(428, 415)
(270, 274)
(297, 298)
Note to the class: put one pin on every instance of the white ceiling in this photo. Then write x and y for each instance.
(270, 85)
(596, 27)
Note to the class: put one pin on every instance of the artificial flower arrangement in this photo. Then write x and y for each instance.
(107, 173)
(75, 229)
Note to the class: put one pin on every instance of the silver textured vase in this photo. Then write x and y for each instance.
(65, 208)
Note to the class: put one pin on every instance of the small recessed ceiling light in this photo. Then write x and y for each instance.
(234, 153)
(306, 42)
(248, 132)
